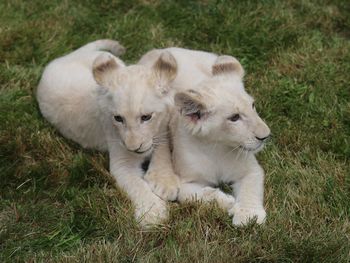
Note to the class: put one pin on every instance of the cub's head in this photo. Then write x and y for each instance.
(134, 98)
(219, 110)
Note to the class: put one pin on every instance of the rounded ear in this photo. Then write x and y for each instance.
(191, 104)
(227, 65)
(165, 69)
(103, 69)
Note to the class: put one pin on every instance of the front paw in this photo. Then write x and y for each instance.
(151, 212)
(165, 185)
(242, 216)
(225, 201)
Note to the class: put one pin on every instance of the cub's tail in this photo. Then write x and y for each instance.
(112, 46)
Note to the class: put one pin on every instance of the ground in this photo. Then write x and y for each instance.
(58, 202)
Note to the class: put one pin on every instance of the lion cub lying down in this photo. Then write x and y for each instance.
(216, 132)
(97, 101)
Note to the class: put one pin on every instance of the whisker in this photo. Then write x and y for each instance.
(160, 143)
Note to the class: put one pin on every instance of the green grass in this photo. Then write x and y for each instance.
(57, 201)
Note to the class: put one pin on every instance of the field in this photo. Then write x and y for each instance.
(57, 200)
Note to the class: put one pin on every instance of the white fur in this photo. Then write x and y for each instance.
(214, 149)
(70, 98)
(67, 94)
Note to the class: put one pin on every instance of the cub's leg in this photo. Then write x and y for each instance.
(190, 191)
(249, 192)
(149, 208)
(160, 175)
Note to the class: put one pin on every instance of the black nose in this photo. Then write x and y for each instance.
(263, 138)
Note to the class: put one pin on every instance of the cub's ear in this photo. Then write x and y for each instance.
(227, 65)
(191, 104)
(103, 69)
(165, 69)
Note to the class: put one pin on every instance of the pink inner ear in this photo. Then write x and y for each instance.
(194, 117)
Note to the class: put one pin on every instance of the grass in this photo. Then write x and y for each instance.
(57, 201)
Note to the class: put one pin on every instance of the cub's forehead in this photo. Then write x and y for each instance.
(225, 91)
(137, 106)
(229, 81)
(136, 95)
(134, 77)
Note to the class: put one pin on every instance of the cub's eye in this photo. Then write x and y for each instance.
(119, 119)
(234, 117)
(146, 117)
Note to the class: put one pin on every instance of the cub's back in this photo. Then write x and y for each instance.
(67, 99)
(193, 66)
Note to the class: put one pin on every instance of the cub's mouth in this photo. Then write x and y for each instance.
(252, 149)
(143, 151)
(139, 151)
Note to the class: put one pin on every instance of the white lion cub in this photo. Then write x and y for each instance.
(216, 132)
(97, 101)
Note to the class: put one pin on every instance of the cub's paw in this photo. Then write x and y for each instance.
(242, 216)
(164, 185)
(150, 213)
(225, 201)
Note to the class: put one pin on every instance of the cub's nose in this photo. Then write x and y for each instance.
(262, 138)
